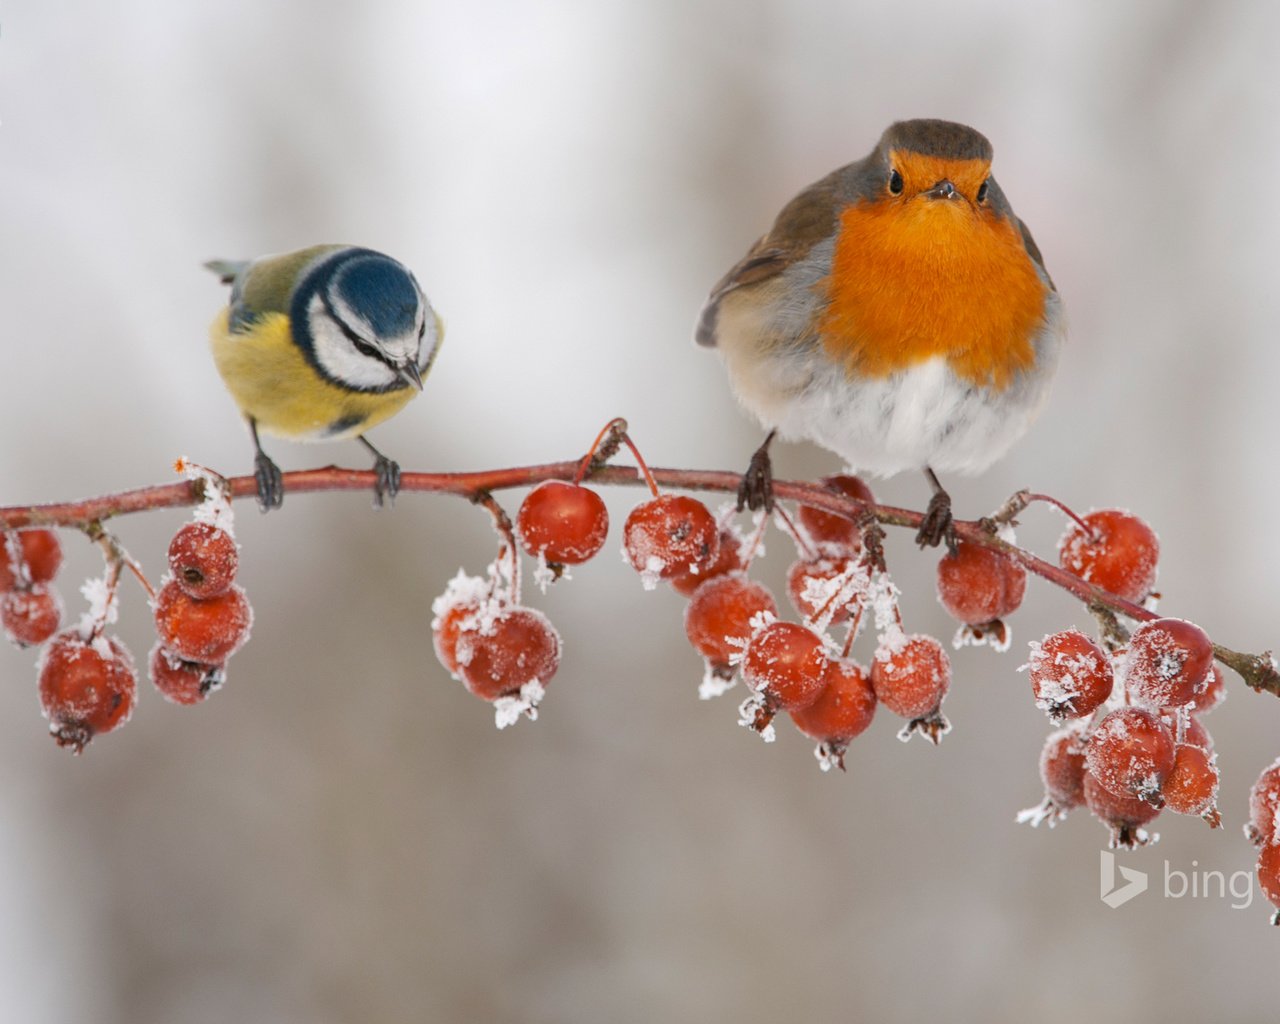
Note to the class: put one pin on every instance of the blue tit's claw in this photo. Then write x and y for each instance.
(270, 481)
(386, 484)
(755, 490)
(938, 524)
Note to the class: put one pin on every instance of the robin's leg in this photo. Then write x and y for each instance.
(938, 524)
(386, 485)
(266, 474)
(755, 491)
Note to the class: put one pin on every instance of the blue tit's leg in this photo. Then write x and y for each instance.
(938, 524)
(266, 473)
(755, 491)
(387, 481)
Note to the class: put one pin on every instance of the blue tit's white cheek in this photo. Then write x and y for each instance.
(400, 348)
(338, 357)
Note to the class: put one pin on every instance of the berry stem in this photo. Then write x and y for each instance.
(1007, 512)
(1259, 671)
(603, 448)
(502, 523)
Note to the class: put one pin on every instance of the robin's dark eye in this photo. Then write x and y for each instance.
(895, 183)
(982, 191)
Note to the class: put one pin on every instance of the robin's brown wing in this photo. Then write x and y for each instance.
(808, 219)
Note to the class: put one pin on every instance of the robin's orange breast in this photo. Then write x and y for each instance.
(913, 280)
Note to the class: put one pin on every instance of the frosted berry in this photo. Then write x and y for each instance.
(784, 662)
(1168, 663)
(720, 613)
(1118, 554)
(1124, 815)
(28, 556)
(1264, 799)
(977, 584)
(563, 522)
(1191, 787)
(728, 559)
(203, 559)
(843, 710)
(671, 535)
(830, 586)
(183, 682)
(30, 616)
(1194, 731)
(911, 677)
(827, 529)
(1071, 675)
(1062, 773)
(1269, 877)
(208, 631)
(455, 609)
(1130, 752)
(86, 688)
(516, 646)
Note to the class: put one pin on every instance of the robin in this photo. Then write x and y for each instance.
(897, 313)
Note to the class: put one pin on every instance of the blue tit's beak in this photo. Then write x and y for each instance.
(411, 374)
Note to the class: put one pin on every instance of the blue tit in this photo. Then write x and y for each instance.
(322, 344)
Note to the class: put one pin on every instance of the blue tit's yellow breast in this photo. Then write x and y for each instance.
(272, 382)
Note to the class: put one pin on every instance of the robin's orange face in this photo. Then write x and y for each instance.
(922, 270)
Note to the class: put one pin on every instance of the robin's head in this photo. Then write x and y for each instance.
(932, 161)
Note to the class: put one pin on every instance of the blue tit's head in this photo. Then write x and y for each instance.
(363, 320)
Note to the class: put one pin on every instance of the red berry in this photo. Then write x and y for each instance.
(829, 529)
(720, 612)
(1269, 876)
(514, 647)
(911, 676)
(1124, 815)
(208, 631)
(671, 535)
(1192, 785)
(729, 559)
(28, 556)
(563, 522)
(843, 710)
(1131, 753)
(203, 559)
(183, 682)
(1062, 768)
(1070, 675)
(1168, 663)
(1264, 799)
(1119, 556)
(1195, 733)
(830, 586)
(32, 615)
(978, 585)
(462, 599)
(784, 662)
(86, 688)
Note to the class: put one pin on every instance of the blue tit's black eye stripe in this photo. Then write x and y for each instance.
(361, 346)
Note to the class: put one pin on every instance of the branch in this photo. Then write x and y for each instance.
(1258, 670)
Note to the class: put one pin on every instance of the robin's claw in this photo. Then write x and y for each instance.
(938, 524)
(755, 490)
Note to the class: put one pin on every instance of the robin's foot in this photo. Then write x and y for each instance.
(386, 473)
(755, 491)
(270, 481)
(938, 524)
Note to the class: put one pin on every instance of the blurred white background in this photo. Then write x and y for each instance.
(341, 835)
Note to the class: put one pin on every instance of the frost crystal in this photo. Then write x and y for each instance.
(715, 684)
(215, 509)
(103, 608)
(751, 711)
(508, 710)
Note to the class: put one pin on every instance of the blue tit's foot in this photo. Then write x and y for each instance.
(386, 476)
(938, 524)
(755, 491)
(270, 482)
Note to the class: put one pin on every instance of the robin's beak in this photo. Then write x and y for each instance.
(942, 190)
(411, 374)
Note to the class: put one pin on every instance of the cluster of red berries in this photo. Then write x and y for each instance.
(1263, 830)
(88, 683)
(30, 608)
(201, 614)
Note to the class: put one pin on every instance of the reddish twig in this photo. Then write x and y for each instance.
(1258, 670)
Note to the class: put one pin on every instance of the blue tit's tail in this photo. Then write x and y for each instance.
(227, 270)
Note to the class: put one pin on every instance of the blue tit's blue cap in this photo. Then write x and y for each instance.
(379, 289)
